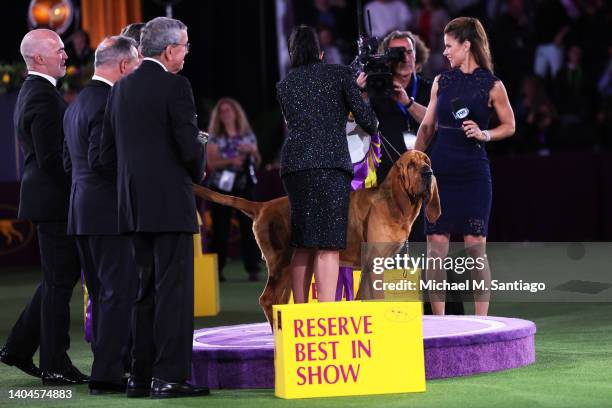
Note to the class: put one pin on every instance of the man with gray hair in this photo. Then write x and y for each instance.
(45, 321)
(150, 122)
(106, 258)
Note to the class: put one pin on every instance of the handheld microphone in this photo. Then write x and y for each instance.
(462, 113)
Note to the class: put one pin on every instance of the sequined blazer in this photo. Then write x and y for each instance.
(315, 100)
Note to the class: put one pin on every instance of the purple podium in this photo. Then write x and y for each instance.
(242, 356)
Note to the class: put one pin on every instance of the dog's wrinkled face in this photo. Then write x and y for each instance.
(416, 174)
(416, 181)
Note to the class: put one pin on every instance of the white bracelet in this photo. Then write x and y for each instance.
(487, 135)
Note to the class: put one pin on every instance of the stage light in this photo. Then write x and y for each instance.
(56, 15)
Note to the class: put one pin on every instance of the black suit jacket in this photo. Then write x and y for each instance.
(150, 130)
(93, 195)
(315, 100)
(38, 128)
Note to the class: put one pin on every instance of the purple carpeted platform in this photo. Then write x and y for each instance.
(242, 356)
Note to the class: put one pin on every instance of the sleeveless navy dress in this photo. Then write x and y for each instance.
(460, 164)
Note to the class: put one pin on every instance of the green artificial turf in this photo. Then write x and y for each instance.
(573, 367)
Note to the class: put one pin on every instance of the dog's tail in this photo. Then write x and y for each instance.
(250, 208)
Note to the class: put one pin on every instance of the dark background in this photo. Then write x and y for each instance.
(233, 53)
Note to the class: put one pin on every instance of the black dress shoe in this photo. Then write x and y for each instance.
(104, 387)
(27, 366)
(69, 376)
(138, 388)
(164, 389)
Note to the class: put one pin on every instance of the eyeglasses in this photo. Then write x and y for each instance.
(186, 45)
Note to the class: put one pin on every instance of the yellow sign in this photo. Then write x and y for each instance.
(206, 300)
(205, 280)
(348, 348)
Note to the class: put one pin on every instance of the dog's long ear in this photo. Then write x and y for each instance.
(433, 209)
(398, 190)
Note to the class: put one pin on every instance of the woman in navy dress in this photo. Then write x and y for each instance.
(462, 101)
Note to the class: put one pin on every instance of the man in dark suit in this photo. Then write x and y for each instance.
(106, 256)
(150, 130)
(44, 200)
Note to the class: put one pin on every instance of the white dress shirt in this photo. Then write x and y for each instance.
(47, 77)
(101, 79)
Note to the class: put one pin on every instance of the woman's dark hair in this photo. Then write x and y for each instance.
(470, 29)
(303, 46)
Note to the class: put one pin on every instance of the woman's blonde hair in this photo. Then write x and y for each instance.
(217, 128)
(471, 29)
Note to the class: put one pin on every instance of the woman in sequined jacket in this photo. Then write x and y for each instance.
(316, 167)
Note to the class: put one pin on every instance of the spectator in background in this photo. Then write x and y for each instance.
(513, 45)
(332, 15)
(386, 16)
(536, 117)
(552, 22)
(232, 156)
(322, 13)
(429, 22)
(572, 95)
(79, 49)
(331, 54)
(574, 98)
(589, 32)
(473, 8)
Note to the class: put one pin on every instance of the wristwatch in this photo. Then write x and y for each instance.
(409, 103)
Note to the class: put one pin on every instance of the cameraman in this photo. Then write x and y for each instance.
(400, 114)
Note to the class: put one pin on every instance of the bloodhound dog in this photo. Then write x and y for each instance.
(384, 214)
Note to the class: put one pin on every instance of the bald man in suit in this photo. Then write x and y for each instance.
(45, 187)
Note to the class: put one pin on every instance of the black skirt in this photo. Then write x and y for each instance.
(319, 204)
